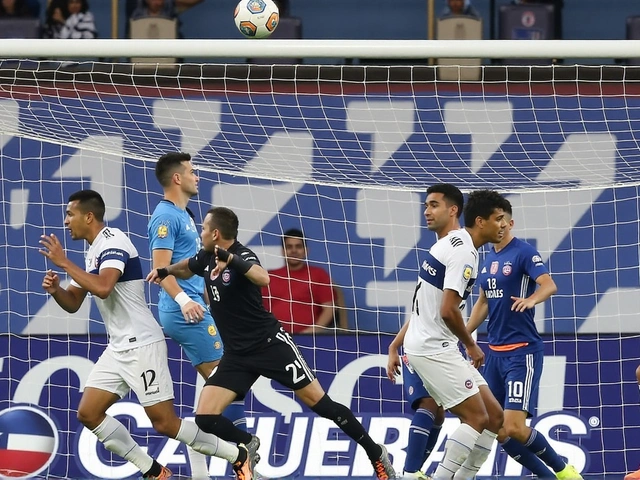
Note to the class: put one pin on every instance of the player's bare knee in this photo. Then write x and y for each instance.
(167, 426)
(516, 429)
(89, 418)
(638, 374)
(502, 435)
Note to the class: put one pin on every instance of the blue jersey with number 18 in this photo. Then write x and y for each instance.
(511, 272)
(171, 228)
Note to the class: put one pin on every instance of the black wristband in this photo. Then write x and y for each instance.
(239, 264)
(223, 255)
(163, 273)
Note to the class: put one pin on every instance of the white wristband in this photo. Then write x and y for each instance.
(182, 299)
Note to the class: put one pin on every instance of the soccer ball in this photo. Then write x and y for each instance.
(256, 18)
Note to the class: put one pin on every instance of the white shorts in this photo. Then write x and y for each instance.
(449, 377)
(145, 370)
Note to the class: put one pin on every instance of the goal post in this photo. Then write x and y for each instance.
(345, 153)
(392, 49)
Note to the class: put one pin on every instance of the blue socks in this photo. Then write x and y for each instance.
(526, 458)
(539, 445)
(235, 413)
(420, 436)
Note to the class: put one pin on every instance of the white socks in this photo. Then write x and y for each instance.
(198, 463)
(206, 443)
(457, 449)
(477, 457)
(117, 439)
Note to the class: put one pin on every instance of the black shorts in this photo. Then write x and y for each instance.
(280, 360)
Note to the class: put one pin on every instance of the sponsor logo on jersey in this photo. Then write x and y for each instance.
(467, 272)
(429, 269)
(536, 259)
(28, 442)
(484, 270)
(494, 268)
(212, 330)
(163, 231)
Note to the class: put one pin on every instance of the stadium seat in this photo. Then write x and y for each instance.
(459, 27)
(527, 22)
(633, 33)
(19, 28)
(288, 28)
(153, 28)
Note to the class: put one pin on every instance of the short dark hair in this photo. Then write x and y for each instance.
(168, 164)
(451, 194)
(89, 201)
(482, 203)
(225, 221)
(293, 233)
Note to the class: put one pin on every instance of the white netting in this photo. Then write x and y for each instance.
(345, 153)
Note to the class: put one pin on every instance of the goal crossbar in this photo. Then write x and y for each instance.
(400, 49)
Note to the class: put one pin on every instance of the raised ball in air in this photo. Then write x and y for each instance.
(256, 18)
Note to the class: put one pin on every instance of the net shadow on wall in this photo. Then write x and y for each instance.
(459, 27)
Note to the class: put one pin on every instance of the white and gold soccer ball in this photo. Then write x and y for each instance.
(256, 18)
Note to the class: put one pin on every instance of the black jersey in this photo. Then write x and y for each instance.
(236, 302)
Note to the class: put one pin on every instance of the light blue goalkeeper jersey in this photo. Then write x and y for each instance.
(171, 228)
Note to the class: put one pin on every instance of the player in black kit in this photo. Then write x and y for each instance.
(254, 341)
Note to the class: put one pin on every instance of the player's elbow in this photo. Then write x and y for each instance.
(448, 315)
(262, 278)
(102, 292)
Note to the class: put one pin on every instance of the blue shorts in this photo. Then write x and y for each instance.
(414, 389)
(200, 341)
(514, 379)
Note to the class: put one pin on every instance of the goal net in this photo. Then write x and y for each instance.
(344, 153)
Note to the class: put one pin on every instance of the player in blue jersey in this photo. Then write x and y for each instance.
(173, 236)
(443, 207)
(513, 280)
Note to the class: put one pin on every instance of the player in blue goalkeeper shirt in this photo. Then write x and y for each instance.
(513, 280)
(173, 236)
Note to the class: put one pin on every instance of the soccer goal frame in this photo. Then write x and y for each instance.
(345, 152)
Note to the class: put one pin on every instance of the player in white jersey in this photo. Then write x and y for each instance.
(136, 356)
(436, 326)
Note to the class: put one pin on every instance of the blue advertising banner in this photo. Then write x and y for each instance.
(592, 424)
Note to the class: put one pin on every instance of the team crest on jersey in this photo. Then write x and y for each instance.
(467, 272)
(163, 231)
(217, 345)
(494, 267)
(468, 384)
(212, 330)
(226, 276)
(506, 270)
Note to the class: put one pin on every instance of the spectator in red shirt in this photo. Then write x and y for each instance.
(299, 295)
